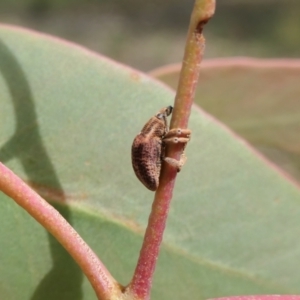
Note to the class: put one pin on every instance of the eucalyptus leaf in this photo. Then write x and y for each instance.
(68, 118)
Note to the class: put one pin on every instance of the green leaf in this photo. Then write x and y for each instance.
(258, 99)
(68, 118)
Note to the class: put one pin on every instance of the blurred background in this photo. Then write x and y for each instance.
(149, 34)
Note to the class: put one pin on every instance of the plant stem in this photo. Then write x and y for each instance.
(140, 286)
(104, 284)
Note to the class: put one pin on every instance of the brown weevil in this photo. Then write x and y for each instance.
(148, 148)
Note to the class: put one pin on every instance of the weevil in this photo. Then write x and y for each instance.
(148, 148)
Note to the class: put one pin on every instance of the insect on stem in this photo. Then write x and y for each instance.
(148, 148)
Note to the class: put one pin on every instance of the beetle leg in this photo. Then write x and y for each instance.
(175, 136)
(178, 164)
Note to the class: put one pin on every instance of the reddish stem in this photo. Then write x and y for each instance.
(103, 283)
(142, 280)
(140, 286)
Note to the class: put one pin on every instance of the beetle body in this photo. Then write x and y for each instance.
(148, 149)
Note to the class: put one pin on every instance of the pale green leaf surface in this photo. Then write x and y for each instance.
(257, 98)
(68, 118)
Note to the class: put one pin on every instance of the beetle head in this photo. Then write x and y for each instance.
(164, 112)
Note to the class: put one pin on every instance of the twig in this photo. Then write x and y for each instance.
(140, 286)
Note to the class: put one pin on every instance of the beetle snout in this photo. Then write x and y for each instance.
(169, 110)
